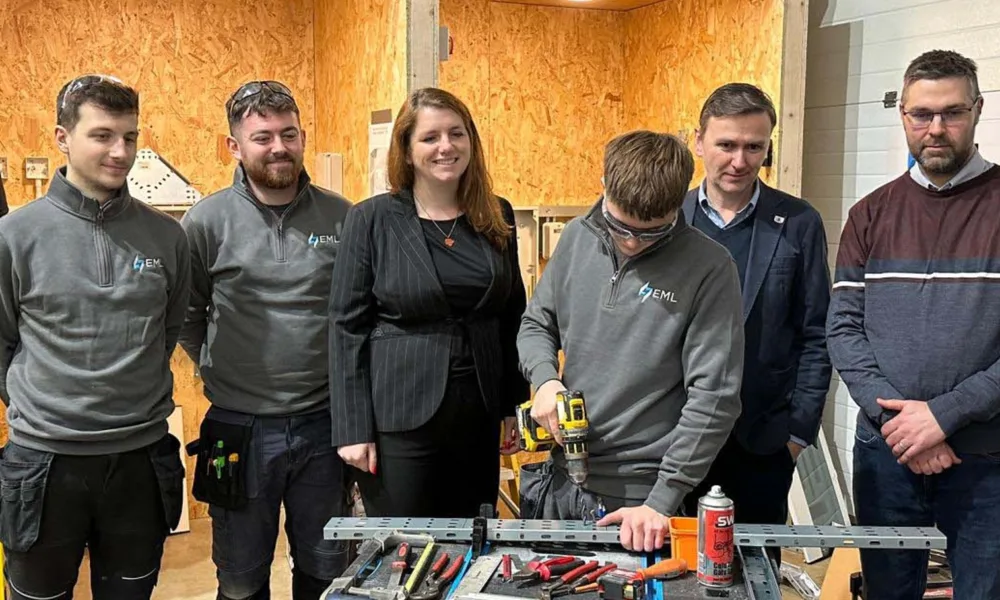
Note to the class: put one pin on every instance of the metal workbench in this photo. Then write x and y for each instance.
(755, 579)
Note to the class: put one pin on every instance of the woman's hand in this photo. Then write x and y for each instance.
(359, 456)
(510, 440)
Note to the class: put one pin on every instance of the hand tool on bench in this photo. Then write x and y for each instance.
(400, 560)
(420, 569)
(441, 574)
(544, 570)
(565, 584)
(665, 569)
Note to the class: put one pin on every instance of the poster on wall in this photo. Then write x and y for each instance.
(379, 137)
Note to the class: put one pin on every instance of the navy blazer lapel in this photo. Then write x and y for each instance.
(769, 221)
(690, 203)
(409, 233)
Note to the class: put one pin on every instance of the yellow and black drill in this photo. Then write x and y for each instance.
(573, 425)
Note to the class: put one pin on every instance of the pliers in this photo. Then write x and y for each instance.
(438, 578)
(545, 570)
(578, 577)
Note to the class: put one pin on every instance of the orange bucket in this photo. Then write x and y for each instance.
(684, 540)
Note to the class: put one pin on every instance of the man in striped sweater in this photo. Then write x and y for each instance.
(914, 331)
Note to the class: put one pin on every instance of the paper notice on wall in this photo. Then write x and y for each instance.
(379, 137)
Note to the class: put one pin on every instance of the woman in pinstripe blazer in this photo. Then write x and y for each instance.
(425, 307)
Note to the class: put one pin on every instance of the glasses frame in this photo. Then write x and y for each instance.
(624, 232)
(83, 81)
(950, 116)
(252, 88)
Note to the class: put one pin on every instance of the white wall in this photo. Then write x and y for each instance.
(857, 51)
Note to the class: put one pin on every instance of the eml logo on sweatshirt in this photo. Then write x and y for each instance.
(322, 240)
(141, 263)
(646, 292)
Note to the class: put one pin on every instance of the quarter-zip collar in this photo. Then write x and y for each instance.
(69, 198)
(594, 221)
(242, 186)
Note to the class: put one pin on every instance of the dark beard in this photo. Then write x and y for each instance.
(259, 173)
(947, 164)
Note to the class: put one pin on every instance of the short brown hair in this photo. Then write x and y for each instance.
(737, 99)
(103, 91)
(646, 174)
(259, 98)
(942, 64)
(475, 189)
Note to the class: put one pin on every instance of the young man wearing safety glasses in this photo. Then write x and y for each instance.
(93, 289)
(262, 263)
(647, 310)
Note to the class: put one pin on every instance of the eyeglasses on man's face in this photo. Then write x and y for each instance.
(921, 118)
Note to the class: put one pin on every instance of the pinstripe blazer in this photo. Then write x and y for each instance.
(391, 326)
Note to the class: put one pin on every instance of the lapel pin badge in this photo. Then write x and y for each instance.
(779, 219)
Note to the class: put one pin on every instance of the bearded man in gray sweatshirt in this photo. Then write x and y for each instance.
(262, 263)
(93, 288)
(647, 310)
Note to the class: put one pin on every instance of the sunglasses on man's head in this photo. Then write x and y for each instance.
(84, 81)
(623, 231)
(256, 87)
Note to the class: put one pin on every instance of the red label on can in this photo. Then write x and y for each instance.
(717, 557)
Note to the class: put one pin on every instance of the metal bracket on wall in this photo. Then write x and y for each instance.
(526, 531)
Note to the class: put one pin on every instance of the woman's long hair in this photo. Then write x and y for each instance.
(475, 189)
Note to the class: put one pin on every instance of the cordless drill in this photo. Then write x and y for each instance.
(573, 425)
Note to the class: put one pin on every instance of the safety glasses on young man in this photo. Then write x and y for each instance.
(625, 232)
(253, 88)
(85, 81)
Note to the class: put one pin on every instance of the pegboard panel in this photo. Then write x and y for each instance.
(155, 182)
(185, 57)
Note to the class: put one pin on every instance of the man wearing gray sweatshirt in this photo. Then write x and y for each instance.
(647, 310)
(93, 288)
(262, 259)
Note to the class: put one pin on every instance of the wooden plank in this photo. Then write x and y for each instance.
(421, 44)
(793, 96)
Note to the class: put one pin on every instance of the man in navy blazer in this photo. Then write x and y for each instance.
(779, 246)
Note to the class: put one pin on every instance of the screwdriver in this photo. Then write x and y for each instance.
(398, 565)
(665, 569)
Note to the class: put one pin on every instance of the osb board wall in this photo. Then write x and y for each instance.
(546, 103)
(545, 88)
(185, 57)
(677, 52)
(360, 68)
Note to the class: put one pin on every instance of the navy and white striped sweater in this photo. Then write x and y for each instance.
(915, 309)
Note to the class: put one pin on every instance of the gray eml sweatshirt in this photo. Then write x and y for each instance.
(92, 299)
(656, 346)
(257, 324)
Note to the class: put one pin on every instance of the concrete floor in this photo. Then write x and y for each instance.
(188, 573)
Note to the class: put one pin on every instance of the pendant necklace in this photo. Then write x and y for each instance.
(448, 240)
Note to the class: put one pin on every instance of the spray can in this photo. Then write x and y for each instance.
(715, 539)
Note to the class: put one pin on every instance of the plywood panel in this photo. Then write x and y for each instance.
(184, 56)
(668, 76)
(589, 4)
(466, 73)
(555, 100)
(360, 68)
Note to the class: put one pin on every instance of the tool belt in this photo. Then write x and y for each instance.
(220, 474)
